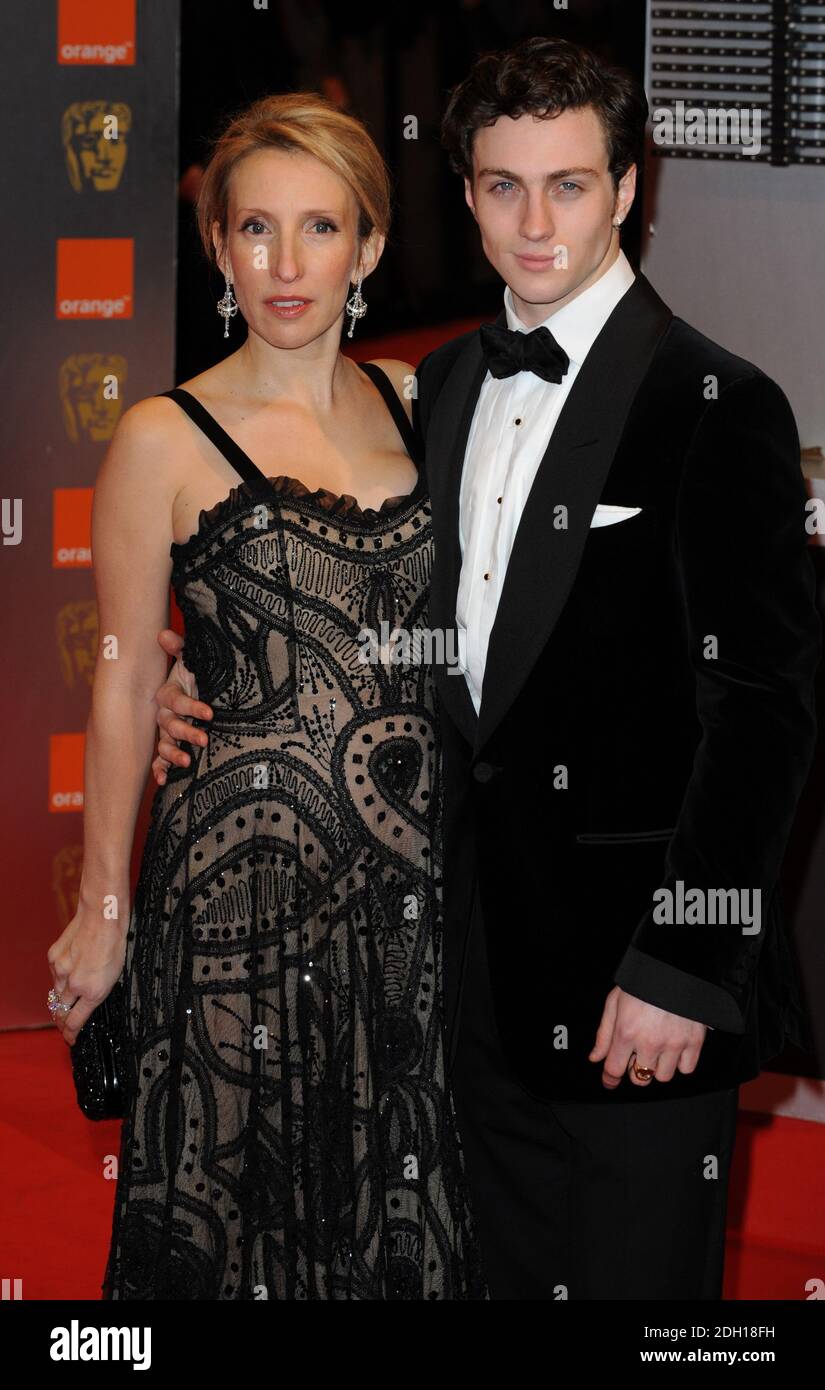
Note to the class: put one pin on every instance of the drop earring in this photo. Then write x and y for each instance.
(356, 305)
(227, 306)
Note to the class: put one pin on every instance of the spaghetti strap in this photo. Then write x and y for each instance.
(241, 462)
(412, 441)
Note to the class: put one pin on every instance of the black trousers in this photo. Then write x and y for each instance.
(584, 1201)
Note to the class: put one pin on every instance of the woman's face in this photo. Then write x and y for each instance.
(292, 245)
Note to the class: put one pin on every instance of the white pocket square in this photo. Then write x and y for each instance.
(606, 514)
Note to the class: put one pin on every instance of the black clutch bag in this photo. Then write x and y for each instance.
(99, 1059)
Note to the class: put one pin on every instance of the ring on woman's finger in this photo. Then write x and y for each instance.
(55, 1004)
(642, 1073)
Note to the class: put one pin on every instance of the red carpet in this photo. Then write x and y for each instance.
(56, 1208)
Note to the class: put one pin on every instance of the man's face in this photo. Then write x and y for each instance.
(545, 203)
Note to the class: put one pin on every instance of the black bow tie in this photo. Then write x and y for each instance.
(508, 352)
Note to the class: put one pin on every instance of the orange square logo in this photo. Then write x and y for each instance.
(72, 528)
(94, 277)
(66, 772)
(96, 31)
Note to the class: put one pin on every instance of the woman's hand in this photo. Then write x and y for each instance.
(177, 702)
(86, 961)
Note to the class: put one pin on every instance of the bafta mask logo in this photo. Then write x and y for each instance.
(66, 869)
(95, 144)
(89, 385)
(77, 642)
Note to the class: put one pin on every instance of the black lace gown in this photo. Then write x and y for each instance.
(291, 1134)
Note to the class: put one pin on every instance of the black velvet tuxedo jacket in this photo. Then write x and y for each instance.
(617, 750)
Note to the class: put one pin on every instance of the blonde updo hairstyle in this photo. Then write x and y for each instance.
(301, 121)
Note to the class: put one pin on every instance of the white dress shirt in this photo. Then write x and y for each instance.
(512, 425)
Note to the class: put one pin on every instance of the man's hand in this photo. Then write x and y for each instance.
(177, 702)
(635, 1033)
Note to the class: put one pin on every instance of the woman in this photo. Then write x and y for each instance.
(291, 1134)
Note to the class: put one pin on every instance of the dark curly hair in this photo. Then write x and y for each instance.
(542, 77)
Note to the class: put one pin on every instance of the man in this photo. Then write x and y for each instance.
(618, 513)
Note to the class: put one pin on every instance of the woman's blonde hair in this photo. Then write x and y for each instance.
(301, 121)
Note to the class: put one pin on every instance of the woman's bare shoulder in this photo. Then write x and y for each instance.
(148, 420)
(148, 449)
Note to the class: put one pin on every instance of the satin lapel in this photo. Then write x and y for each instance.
(447, 436)
(544, 561)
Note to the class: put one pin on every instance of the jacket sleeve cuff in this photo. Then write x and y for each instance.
(677, 991)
